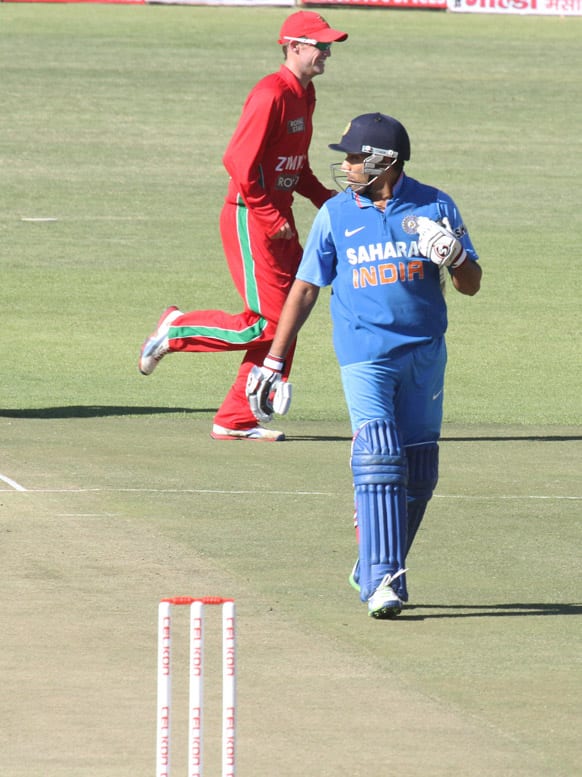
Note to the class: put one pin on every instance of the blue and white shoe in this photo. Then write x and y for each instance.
(156, 346)
(385, 602)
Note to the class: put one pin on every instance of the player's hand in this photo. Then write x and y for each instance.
(438, 242)
(266, 390)
(284, 233)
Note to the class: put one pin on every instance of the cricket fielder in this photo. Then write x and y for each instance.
(268, 161)
(382, 245)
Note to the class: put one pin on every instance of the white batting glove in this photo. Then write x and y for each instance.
(438, 242)
(266, 390)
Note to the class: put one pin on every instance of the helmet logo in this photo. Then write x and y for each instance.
(347, 129)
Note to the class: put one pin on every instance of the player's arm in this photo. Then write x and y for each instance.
(295, 313)
(266, 391)
(467, 277)
(447, 243)
(243, 160)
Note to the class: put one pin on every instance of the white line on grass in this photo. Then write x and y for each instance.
(251, 492)
(87, 515)
(12, 483)
(167, 491)
(39, 219)
(47, 219)
(501, 496)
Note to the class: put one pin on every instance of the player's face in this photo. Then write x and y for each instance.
(353, 167)
(311, 59)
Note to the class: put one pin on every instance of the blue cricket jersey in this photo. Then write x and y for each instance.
(384, 294)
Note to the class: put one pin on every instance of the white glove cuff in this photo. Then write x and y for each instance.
(274, 363)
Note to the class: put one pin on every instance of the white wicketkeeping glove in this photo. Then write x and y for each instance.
(438, 242)
(266, 390)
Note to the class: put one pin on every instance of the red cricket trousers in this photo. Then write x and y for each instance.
(263, 271)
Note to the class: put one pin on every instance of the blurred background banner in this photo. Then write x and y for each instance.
(434, 4)
(545, 7)
(248, 3)
(523, 7)
(168, 2)
(111, 2)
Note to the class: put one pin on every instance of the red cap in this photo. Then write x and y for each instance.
(311, 26)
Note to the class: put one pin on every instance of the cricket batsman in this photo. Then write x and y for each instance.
(383, 245)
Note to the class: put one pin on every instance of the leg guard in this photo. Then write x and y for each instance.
(423, 473)
(379, 470)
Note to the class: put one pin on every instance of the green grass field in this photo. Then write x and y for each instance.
(112, 125)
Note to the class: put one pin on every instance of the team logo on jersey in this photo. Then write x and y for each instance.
(296, 125)
(381, 252)
(387, 273)
(410, 224)
(286, 163)
(287, 182)
(380, 264)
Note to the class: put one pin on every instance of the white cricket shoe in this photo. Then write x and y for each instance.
(256, 434)
(385, 602)
(156, 346)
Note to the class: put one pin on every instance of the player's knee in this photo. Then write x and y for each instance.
(377, 454)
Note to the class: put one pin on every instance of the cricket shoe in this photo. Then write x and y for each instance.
(256, 434)
(385, 602)
(156, 346)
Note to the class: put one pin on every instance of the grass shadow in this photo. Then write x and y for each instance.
(515, 610)
(96, 411)
(318, 438)
(515, 438)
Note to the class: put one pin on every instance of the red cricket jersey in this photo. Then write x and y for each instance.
(268, 155)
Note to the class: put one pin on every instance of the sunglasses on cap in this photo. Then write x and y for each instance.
(311, 42)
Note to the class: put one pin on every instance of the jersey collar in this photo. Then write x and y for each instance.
(365, 202)
(292, 81)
